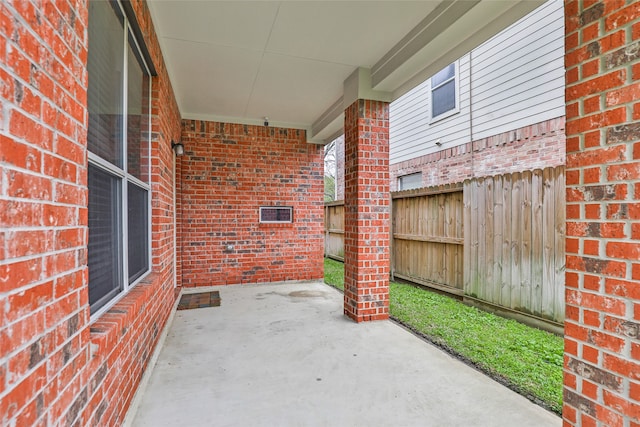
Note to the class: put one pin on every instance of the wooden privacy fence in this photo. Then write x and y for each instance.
(515, 235)
(496, 240)
(427, 244)
(334, 230)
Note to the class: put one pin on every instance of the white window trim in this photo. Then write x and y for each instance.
(126, 177)
(456, 109)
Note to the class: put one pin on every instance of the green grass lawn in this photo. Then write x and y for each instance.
(526, 359)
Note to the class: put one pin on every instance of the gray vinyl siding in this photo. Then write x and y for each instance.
(516, 79)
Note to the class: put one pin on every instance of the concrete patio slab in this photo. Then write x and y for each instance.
(284, 355)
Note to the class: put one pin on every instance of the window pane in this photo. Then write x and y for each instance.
(105, 268)
(138, 231)
(105, 69)
(409, 182)
(137, 117)
(443, 99)
(443, 75)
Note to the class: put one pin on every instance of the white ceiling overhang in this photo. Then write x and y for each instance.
(300, 62)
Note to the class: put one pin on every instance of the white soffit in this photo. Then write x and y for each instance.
(239, 61)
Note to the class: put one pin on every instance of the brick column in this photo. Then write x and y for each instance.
(366, 198)
(602, 329)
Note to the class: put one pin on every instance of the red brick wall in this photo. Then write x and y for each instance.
(43, 199)
(366, 211)
(602, 346)
(532, 147)
(228, 172)
(56, 368)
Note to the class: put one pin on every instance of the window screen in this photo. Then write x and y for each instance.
(105, 268)
(137, 205)
(276, 214)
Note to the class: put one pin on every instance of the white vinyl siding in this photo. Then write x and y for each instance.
(516, 79)
(410, 133)
(518, 75)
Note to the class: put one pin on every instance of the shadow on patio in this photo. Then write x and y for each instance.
(284, 355)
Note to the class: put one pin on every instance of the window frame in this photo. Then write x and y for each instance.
(456, 80)
(122, 173)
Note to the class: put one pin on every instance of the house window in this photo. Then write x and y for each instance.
(444, 92)
(276, 214)
(118, 102)
(409, 182)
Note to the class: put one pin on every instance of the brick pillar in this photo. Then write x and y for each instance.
(602, 329)
(366, 198)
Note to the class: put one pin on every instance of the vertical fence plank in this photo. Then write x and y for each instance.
(446, 249)
(482, 239)
(473, 247)
(440, 249)
(433, 213)
(516, 239)
(466, 248)
(460, 228)
(506, 243)
(498, 225)
(537, 184)
(408, 263)
(423, 251)
(489, 206)
(560, 215)
(548, 242)
(398, 244)
(327, 213)
(525, 254)
(392, 242)
(430, 263)
(441, 213)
